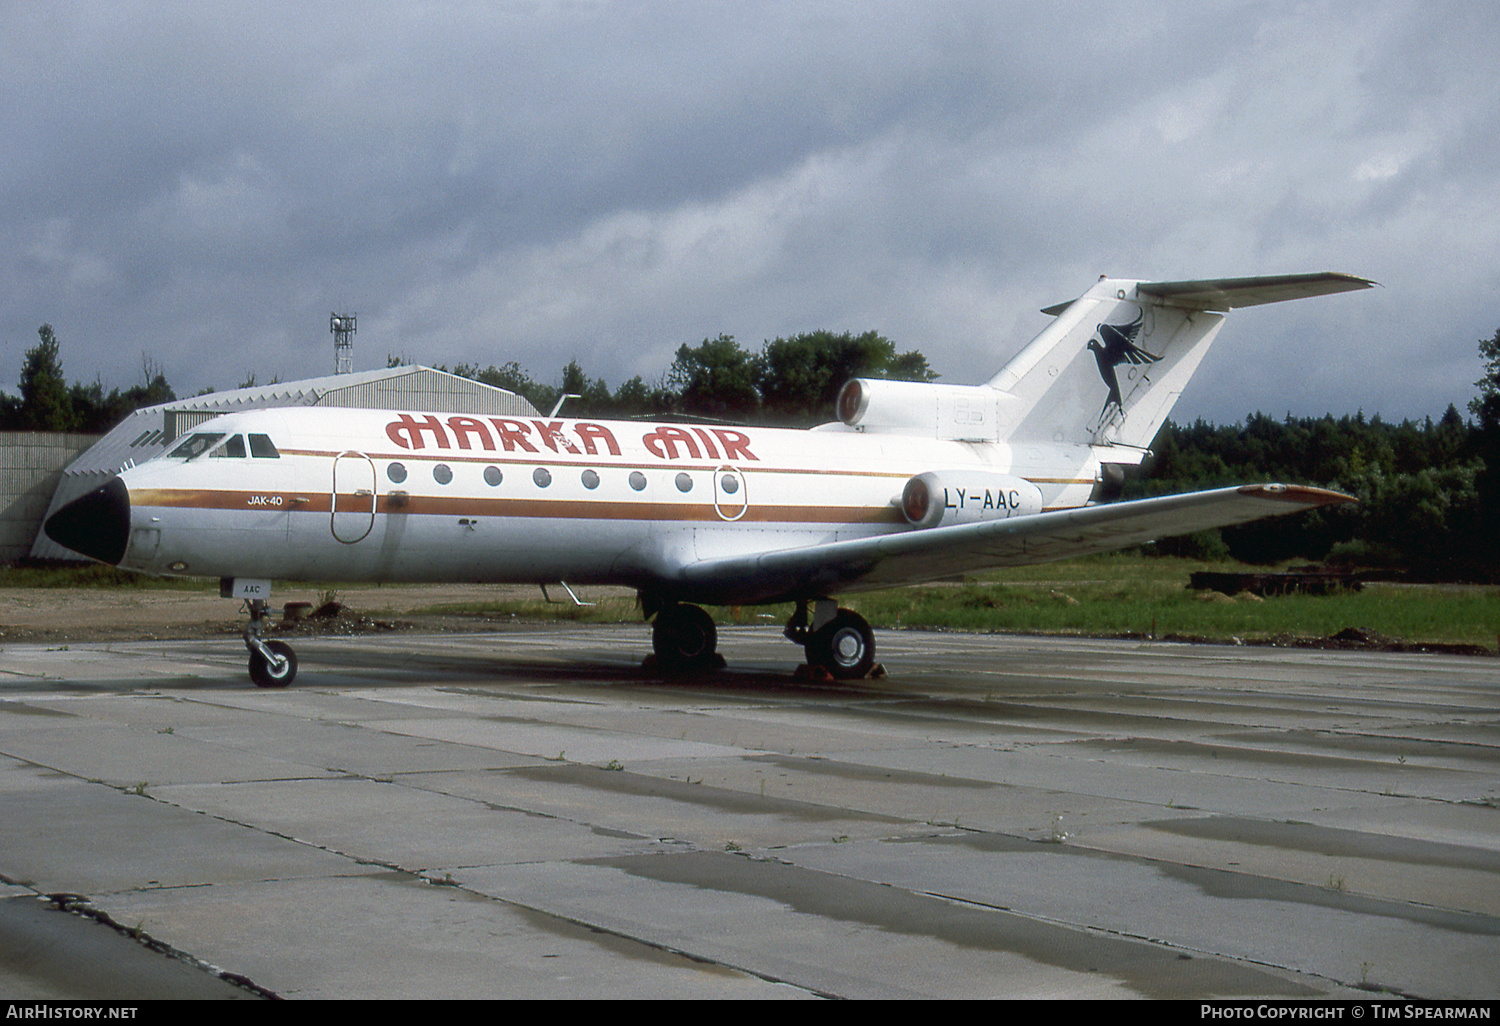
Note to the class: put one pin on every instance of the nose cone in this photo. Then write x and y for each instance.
(97, 524)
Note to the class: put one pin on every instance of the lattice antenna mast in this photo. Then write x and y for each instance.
(343, 327)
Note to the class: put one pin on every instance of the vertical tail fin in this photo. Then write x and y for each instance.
(1110, 366)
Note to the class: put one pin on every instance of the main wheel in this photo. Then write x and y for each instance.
(265, 674)
(844, 646)
(684, 639)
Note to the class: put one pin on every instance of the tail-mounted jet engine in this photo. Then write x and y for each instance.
(966, 497)
(957, 413)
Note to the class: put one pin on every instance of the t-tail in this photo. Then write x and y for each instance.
(1105, 372)
(1112, 363)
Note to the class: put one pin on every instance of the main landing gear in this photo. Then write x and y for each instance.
(273, 664)
(685, 640)
(838, 641)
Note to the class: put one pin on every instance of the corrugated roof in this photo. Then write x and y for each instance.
(347, 389)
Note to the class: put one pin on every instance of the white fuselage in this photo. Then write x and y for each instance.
(357, 495)
(917, 482)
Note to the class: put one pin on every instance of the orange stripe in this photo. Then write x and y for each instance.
(429, 505)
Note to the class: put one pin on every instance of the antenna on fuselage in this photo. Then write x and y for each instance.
(560, 400)
(343, 327)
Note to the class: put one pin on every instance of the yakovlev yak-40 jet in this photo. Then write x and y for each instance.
(916, 482)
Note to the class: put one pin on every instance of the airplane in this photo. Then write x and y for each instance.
(915, 482)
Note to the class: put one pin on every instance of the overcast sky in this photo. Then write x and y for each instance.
(198, 185)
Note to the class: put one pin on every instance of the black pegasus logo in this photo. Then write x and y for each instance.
(1114, 345)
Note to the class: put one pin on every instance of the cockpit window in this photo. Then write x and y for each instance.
(262, 448)
(217, 447)
(233, 449)
(196, 445)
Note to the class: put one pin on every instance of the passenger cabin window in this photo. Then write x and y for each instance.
(262, 448)
(196, 445)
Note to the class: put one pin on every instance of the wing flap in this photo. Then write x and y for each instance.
(916, 556)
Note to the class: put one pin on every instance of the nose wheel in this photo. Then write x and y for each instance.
(273, 664)
(275, 670)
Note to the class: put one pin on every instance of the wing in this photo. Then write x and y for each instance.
(1120, 339)
(915, 556)
(1136, 355)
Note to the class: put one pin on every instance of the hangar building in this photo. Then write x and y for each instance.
(149, 431)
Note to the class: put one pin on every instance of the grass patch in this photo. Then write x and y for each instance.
(1112, 595)
(1150, 608)
(94, 575)
(1127, 594)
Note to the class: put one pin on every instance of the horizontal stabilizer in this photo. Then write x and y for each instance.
(1232, 293)
(916, 556)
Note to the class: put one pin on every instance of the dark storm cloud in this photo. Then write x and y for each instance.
(543, 181)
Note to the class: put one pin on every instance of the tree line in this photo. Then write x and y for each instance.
(1420, 486)
(791, 382)
(48, 403)
(1428, 490)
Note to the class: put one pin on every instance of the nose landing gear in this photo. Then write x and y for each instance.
(273, 664)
